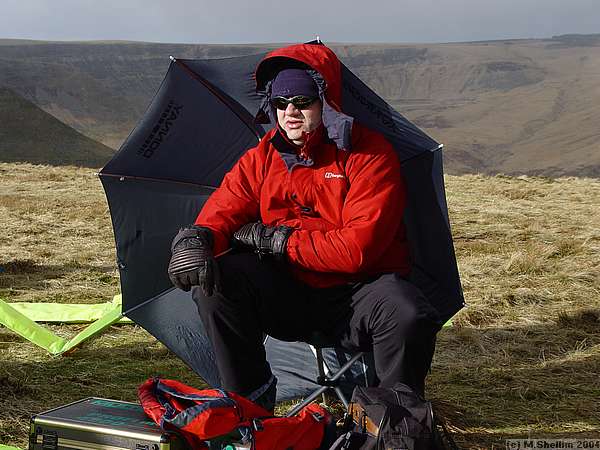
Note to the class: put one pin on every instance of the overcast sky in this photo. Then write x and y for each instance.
(253, 21)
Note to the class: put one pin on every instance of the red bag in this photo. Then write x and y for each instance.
(202, 415)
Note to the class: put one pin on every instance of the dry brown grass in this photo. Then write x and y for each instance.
(57, 241)
(522, 359)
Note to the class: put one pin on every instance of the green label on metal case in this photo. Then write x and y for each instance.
(107, 413)
(112, 420)
(116, 405)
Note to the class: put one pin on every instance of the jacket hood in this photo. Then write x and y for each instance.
(325, 68)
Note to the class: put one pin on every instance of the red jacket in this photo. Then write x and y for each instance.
(346, 205)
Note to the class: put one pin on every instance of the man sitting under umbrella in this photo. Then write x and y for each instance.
(320, 203)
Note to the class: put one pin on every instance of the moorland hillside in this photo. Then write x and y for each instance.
(514, 106)
(29, 134)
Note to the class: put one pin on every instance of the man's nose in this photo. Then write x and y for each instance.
(291, 109)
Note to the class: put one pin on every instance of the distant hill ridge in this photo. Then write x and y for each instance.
(514, 106)
(29, 134)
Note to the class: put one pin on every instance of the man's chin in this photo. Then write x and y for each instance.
(294, 136)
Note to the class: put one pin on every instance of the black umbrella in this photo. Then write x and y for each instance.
(199, 123)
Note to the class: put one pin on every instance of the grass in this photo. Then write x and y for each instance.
(521, 360)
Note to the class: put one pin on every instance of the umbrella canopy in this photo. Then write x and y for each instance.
(199, 123)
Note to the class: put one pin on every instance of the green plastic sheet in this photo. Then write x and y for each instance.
(67, 313)
(8, 447)
(21, 318)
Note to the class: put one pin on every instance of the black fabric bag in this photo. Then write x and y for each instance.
(389, 419)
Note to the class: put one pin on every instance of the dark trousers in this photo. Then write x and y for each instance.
(387, 315)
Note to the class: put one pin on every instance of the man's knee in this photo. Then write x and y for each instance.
(398, 315)
(235, 282)
(232, 286)
(234, 268)
(244, 274)
(402, 307)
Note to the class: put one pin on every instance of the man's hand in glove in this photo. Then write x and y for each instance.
(263, 239)
(192, 261)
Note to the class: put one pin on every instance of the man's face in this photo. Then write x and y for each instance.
(295, 122)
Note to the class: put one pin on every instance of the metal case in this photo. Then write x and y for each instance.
(99, 424)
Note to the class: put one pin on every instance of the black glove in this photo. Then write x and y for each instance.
(192, 261)
(263, 239)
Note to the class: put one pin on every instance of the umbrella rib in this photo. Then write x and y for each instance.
(208, 86)
(161, 180)
(431, 150)
(218, 255)
(139, 305)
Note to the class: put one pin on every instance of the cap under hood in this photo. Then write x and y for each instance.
(325, 68)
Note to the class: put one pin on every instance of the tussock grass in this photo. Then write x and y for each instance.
(57, 243)
(521, 360)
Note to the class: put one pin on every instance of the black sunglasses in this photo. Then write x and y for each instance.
(299, 101)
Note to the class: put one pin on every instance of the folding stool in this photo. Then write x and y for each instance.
(326, 379)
